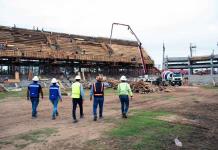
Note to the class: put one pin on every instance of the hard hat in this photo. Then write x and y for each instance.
(123, 78)
(77, 77)
(54, 80)
(35, 78)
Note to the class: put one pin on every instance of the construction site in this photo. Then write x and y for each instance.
(168, 111)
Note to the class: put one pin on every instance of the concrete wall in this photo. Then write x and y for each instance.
(202, 79)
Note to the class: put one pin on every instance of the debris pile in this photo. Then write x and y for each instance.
(113, 83)
(2, 89)
(146, 87)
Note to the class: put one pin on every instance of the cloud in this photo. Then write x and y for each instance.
(177, 22)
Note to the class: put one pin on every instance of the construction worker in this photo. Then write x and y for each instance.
(33, 91)
(124, 91)
(77, 98)
(54, 96)
(97, 90)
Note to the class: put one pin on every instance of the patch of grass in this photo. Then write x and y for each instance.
(168, 97)
(4, 95)
(20, 141)
(210, 87)
(37, 135)
(143, 131)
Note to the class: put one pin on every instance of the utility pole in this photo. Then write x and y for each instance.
(191, 49)
(163, 64)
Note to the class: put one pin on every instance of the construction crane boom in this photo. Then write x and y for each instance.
(138, 41)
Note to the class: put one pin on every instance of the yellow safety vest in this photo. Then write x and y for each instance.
(124, 89)
(75, 90)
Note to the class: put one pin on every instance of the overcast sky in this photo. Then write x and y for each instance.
(176, 22)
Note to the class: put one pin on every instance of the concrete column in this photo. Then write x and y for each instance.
(190, 69)
(211, 68)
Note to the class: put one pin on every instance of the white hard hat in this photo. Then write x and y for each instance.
(123, 78)
(77, 77)
(35, 78)
(54, 80)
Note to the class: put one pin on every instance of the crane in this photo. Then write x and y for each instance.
(138, 41)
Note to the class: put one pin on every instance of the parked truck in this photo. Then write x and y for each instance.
(171, 78)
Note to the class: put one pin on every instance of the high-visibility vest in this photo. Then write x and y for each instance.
(54, 92)
(124, 89)
(75, 90)
(98, 89)
(34, 90)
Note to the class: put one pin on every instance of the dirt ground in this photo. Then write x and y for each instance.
(193, 106)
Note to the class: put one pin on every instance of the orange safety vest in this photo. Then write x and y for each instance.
(97, 92)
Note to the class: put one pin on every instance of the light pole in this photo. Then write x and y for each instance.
(191, 48)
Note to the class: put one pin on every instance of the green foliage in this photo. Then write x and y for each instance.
(142, 131)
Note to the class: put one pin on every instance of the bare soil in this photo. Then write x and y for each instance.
(193, 106)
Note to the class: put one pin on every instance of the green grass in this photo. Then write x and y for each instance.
(143, 131)
(20, 141)
(210, 87)
(168, 97)
(4, 95)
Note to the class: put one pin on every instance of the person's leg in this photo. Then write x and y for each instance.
(101, 106)
(55, 103)
(126, 108)
(95, 105)
(74, 108)
(33, 106)
(36, 105)
(57, 108)
(80, 102)
(122, 104)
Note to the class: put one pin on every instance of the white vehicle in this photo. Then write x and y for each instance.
(171, 78)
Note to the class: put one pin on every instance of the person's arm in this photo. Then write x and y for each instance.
(91, 93)
(40, 89)
(82, 91)
(118, 89)
(129, 90)
(28, 97)
(59, 93)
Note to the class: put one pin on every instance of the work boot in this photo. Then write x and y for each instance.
(57, 113)
(95, 118)
(75, 121)
(33, 117)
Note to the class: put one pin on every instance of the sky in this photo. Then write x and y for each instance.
(177, 23)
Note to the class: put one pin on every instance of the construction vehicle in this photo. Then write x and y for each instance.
(171, 78)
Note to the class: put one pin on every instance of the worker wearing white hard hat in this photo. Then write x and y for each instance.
(124, 91)
(54, 96)
(77, 98)
(77, 77)
(123, 78)
(33, 92)
(35, 78)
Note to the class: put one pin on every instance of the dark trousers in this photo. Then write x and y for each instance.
(98, 101)
(76, 101)
(124, 100)
(35, 103)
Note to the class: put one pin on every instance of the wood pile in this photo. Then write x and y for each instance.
(114, 83)
(145, 87)
(2, 89)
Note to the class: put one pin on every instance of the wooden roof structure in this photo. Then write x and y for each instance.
(37, 44)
